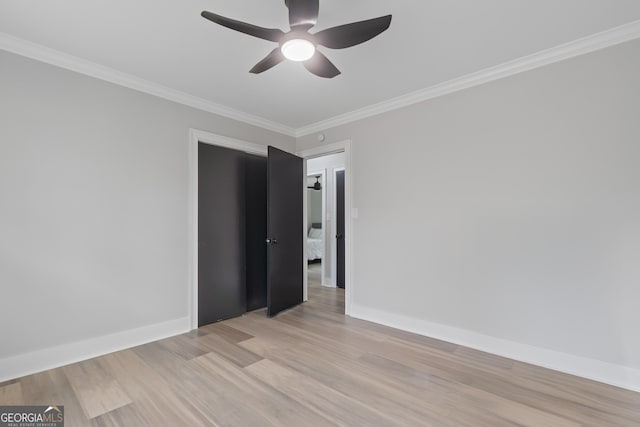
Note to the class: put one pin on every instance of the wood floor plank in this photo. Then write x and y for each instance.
(287, 335)
(227, 332)
(256, 399)
(96, 389)
(52, 387)
(338, 408)
(11, 394)
(146, 412)
(152, 387)
(230, 351)
(183, 346)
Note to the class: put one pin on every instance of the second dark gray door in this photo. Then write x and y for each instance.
(256, 203)
(285, 231)
(340, 217)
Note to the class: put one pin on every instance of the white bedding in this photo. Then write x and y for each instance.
(315, 248)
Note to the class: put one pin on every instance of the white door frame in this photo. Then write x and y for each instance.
(323, 175)
(337, 147)
(195, 137)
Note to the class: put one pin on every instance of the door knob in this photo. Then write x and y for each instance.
(272, 241)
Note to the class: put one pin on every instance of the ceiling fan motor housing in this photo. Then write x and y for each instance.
(297, 35)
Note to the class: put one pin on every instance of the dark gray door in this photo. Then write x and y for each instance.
(221, 234)
(256, 201)
(340, 217)
(285, 231)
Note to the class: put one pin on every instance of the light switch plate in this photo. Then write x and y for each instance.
(354, 213)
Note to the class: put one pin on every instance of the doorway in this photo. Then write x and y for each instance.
(232, 204)
(331, 164)
(316, 226)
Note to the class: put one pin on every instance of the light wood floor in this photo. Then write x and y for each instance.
(315, 274)
(312, 366)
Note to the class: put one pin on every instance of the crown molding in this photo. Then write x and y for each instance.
(59, 59)
(559, 53)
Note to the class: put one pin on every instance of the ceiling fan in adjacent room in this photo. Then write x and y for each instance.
(317, 186)
(300, 45)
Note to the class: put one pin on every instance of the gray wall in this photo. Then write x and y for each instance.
(511, 209)
(314, 207)
(93, 205)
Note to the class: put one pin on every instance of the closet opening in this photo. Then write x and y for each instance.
(246, 213)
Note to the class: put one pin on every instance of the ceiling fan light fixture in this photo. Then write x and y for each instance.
(298, 44)
(298, 50)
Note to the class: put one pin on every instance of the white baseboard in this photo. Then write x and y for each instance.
(608, 373)
(55, 357)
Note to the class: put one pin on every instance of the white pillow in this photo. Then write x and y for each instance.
(315, 233)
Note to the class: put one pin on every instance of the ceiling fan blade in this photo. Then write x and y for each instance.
(352, 34)
(270, 61)
(303, 14)
(321, 66)
(271, 34)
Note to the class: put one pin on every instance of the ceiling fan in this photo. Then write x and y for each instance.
(298, 44)
(317, 186)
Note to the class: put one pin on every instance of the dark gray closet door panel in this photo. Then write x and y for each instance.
(256, 204)
(285, 223)
(221, 234)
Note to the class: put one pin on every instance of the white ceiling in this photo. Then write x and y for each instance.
(429, 42)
